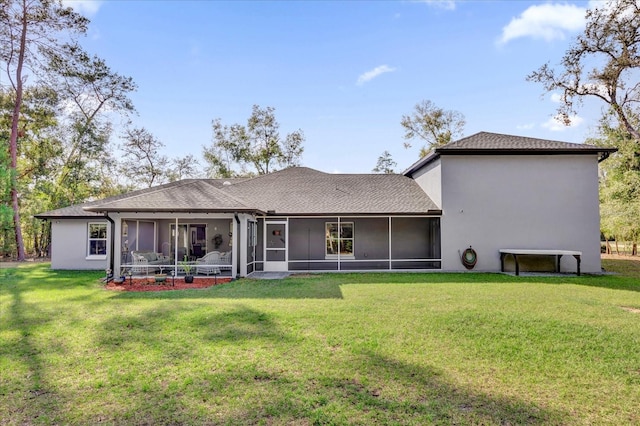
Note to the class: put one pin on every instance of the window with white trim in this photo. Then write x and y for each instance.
(97, 239)
(339, 239)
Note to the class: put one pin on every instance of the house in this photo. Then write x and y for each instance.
(488, 191)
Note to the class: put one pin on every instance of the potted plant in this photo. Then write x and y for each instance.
(160, 278)
(187, 267)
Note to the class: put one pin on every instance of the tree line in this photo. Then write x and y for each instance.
(60, 107)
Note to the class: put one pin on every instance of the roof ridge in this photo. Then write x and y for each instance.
(137, 192)
(227, 194)
(277, 172)
(147, 191)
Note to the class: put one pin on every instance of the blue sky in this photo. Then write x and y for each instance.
(343, 72)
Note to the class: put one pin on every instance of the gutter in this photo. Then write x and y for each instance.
(112, 243)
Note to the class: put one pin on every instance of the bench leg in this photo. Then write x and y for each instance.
(558, 257)
(577, 256)
(502, 256)
(515, 258)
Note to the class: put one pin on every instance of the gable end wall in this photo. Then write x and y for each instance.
(429, 178)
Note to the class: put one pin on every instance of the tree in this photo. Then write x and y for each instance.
(602, 63)
(619, 179)
(183, 167)
(142, 162)
(385, 164)
(91, 93)
(29, 29)
(433, 125)
(38, 147)
(254, 148)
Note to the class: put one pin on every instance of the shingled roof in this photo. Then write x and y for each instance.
(293, 191)
(189, 195)
(300, 190)
(71, 212)
(485, 143)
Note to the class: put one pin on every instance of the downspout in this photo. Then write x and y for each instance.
(112, 243)
(237, 245)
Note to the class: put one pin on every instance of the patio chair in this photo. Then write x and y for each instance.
(225, 258)
(208, 264)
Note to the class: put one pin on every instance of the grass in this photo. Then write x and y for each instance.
(327, 349)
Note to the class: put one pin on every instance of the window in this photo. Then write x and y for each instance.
(97, 245)
(339, 238)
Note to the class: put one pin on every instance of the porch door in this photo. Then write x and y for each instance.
(275, 246)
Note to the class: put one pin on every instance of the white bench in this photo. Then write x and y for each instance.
(529, 252)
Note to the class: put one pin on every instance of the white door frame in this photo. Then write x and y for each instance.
(276, 266)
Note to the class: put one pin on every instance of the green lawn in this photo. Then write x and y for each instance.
(327, 349)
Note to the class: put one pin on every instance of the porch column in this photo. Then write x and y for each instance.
(117, 245)
(235, 247)
(175, 248)
(390, 263)
(242, 246)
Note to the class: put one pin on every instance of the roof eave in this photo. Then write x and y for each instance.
(432, 156)
(173, 210)
(430, 212)
(50, 217)
(528, 151)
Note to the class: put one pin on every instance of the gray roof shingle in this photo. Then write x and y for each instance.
(301, 190)
(486, 143)
(189, 195)
(497, 141)
(297, 190)
(75, 211)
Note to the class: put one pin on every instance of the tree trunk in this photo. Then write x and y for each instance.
(617, 249)
(634, 249)
(13, 141)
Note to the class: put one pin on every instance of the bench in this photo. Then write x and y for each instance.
(147, 261)
(529, 252)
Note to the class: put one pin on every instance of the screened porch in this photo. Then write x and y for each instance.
(175, 247)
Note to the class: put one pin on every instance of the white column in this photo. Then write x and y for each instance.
(234, 248)
(117, 246)
(390, 264)
(243, 246)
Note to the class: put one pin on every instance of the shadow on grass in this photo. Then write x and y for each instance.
(32, 397)
(240, 379)
(154, 330)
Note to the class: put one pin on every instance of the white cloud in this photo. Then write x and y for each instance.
(599, 89)
(85, 7)
(370, 75)
(556, 98)
(556, 124)
(440, 4)
(547, 21)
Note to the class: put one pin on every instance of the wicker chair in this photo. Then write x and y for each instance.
(208, 264)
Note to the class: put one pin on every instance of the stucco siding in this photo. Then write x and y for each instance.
(429, 179)
(525, 201)
(69, 245)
